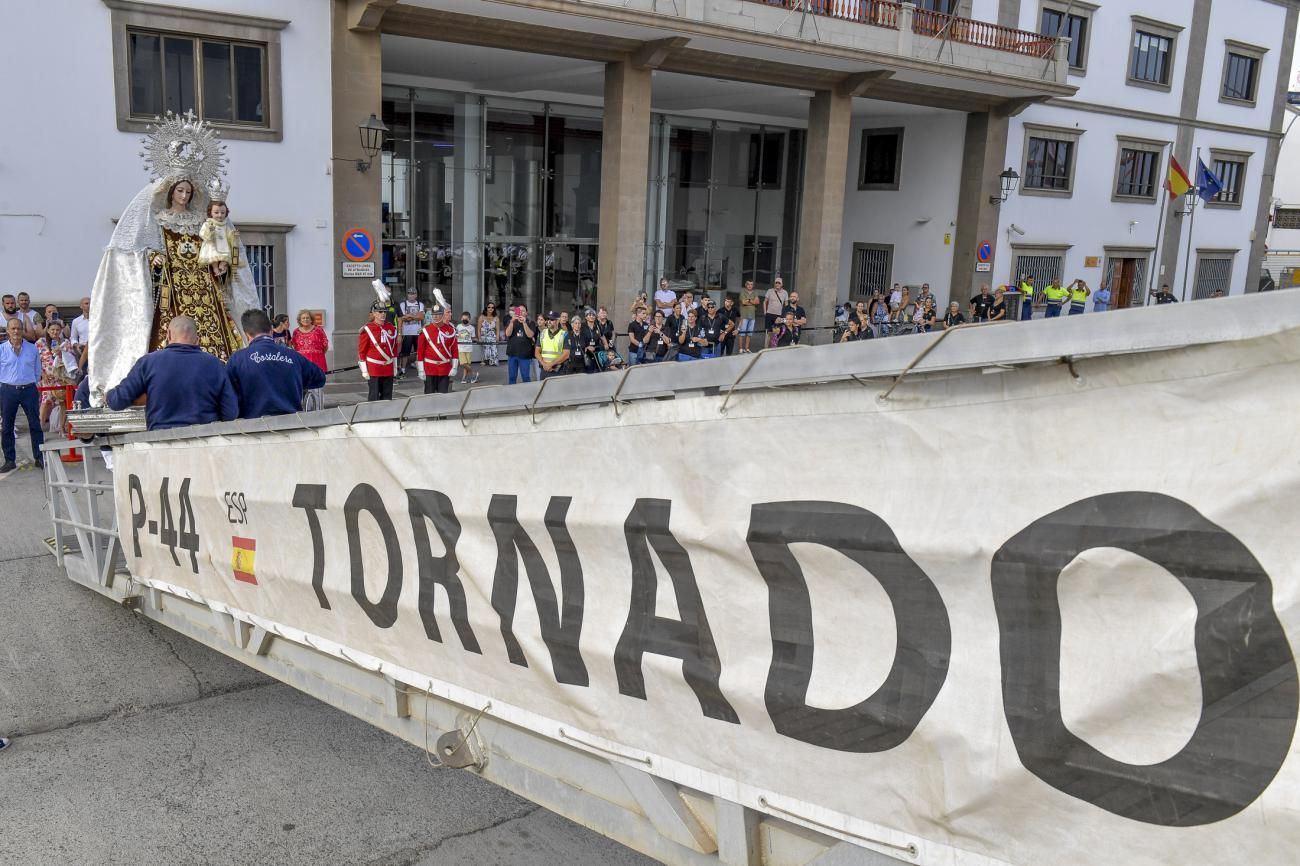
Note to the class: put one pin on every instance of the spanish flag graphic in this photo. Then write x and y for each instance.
(242, 553)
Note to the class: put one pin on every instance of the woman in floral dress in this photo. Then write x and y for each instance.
(489, 325)
(50, 348)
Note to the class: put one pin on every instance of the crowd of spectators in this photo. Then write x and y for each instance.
(281, 370)
(283, 367)
(667, 326)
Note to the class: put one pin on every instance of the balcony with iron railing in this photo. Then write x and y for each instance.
(925, 22)
(943, 37)
(881, 27)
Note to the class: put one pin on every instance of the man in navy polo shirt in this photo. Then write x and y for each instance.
(20, 368)
(184, 384)
(269, 379)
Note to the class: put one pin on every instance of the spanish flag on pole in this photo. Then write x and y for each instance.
(1177, 182)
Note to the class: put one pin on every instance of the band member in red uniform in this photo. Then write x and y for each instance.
(436, 352)
(376, 354)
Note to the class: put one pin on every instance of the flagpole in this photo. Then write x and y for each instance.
(1187, 255)
(1160, 234)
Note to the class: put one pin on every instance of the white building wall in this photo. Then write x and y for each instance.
(1090, 220)
(1254, 23)
(1109, 45)
(66, 172)
(1286, 188)
(919, 218)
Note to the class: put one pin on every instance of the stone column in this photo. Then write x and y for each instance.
(355, 72)
(983, 161)
(624, 174)
(1172, 248)
(467, 208)
(821, 218)
(1272, 150)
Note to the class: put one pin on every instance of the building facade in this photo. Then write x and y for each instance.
(1282, 262)
(560, 153)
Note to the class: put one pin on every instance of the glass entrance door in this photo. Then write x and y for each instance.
(398, 270)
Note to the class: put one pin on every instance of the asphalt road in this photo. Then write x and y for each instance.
(136, 745)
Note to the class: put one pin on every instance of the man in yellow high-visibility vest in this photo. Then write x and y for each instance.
(1027, 291)
(1079, 293)
(552, 347)
(1055, 296)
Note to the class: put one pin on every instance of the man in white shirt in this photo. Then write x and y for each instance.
(665, 297)
(79, 334)
(410, 319)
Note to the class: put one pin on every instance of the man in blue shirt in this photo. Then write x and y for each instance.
(184, 384)
(269, 379)
(20, 368)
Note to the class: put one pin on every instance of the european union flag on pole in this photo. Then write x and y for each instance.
(1208, 184)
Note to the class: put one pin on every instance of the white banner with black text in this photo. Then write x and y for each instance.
(1024, 616)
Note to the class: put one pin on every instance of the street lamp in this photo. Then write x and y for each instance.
(1010, 178)
(1191, 198)
(372, 141)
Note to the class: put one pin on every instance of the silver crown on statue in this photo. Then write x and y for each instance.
(182, 146)
(218, 190)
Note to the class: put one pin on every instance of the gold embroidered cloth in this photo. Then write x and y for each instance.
(188, 288)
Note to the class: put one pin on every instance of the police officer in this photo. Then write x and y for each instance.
(1055, 296)
(184, 384)
(376, 353)
(268, 378)
(436, 352)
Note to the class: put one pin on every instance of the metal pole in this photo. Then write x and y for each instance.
(1160, 228)
(1193, 193)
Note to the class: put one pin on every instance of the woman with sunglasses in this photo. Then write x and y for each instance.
(489, 325)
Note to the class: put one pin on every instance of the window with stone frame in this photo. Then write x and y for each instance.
(1213, 273)
(1230, 168)
(1241, 65)
(1152, 53)
(223, 67)
(1137, 169)
(1045, 264)
(1049, 158)
(1072, 20)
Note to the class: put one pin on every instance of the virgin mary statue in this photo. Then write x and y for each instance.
(150, 271)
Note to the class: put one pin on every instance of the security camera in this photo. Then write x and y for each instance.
(1017, 229)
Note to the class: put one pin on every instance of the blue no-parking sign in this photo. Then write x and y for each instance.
(357, 245)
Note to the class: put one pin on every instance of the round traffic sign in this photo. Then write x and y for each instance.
(357, 245)
(985, 251)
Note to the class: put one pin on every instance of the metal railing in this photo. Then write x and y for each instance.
(878, 13)
(968, 31)
(926, 22)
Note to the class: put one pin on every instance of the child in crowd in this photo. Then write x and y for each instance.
(465, 345)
